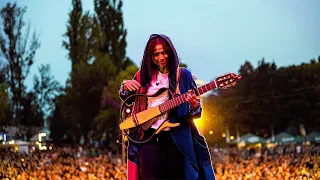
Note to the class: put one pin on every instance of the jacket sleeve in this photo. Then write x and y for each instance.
(123, 94)
(195, 113)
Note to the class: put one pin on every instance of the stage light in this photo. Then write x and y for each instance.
(231, 138)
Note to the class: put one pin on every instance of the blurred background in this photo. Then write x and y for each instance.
(62, 63)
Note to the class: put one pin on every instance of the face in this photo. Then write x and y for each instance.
(160, 57)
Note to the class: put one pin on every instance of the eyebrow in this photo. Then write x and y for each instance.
(160, 50)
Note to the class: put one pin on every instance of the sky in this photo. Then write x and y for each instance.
(212, 37)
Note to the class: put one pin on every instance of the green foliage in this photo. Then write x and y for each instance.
(108, 117)
(109, 17)
(45, 90)
(96, 47)
(19, 56)
(31, 114)
(84, 96)
(4, 104)
(4, 96)
(81, 35)
(112, 90)
(284, 97)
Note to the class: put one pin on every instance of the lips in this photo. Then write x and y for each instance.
(163, 63)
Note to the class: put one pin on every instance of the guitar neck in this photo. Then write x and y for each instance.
(181, 99)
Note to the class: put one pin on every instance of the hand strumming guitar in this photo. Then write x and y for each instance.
(131, 85)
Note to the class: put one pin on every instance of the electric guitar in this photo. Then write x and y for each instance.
(146, 118)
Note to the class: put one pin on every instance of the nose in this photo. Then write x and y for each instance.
(161, 56)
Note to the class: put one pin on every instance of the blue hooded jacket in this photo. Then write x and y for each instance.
(186, 136)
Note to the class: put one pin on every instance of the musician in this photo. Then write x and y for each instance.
(176, 152)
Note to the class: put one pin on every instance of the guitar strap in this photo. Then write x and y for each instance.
(177, 89)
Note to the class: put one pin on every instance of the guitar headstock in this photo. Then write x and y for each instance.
(226, 81)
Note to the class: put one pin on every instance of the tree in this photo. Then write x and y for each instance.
(79, 35)
(60, 125)
(4, 99)
(96, 46)
(246, 69)
(89, 82)
(108, 118)
(15, 50)
(113, 40)
(182, 64)
(4, 105)
(79, 43)
(31, 114)
(284, 97)
(45, 90)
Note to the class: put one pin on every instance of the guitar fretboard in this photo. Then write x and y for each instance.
(181, 99)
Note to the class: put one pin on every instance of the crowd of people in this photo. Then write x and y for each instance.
(287, 162)
(61, 164)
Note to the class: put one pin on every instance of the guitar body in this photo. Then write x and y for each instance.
(146, 118)
(142, 117)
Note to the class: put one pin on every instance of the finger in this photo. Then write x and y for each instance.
(135, 86)
(136, 83)
(193, 100)
(127, 85)
(131, 88)
(188, 97)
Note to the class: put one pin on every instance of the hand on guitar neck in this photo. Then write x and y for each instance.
(131, 85)
(192, 99)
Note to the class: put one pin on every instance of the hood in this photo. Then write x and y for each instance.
(144, 71)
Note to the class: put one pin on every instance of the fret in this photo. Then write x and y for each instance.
(175, 102)
(179, 99)
(171, 103)
(162, 108)
(167, 106)
(205, 88)
(210, 87)
(200, 90)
